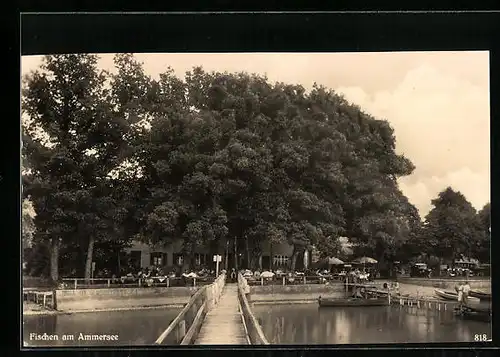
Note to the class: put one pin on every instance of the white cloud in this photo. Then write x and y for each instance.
(441, 123)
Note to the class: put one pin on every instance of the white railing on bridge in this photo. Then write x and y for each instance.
(252, 326)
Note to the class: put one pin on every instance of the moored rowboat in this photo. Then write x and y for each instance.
(450, 295)
(480, 295)
(335, 302)
(446, 295)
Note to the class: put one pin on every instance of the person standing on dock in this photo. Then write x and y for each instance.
(460, 296)
(465, 291)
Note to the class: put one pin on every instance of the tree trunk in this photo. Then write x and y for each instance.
(88, 262)
(192, 261)
(293, 260)
(256, 259)
(54, 259)
(271, 258)
(226, 261)
(119, 264)
(249, 258)
(235, 254)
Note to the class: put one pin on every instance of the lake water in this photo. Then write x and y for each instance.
(308, 324)
(134, 327)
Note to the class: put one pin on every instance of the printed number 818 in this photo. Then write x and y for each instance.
(481, 338)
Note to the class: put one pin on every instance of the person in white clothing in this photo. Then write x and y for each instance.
(460, 291)
(466, 290)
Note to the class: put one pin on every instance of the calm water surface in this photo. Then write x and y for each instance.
(134, 327)
(308, 324)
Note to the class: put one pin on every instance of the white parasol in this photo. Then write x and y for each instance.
(190, 275)
(335, 261)
(365, 260)
(267, 274)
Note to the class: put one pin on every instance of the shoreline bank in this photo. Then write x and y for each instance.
(38, 310)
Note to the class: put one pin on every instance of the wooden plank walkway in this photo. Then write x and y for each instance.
(223, 325)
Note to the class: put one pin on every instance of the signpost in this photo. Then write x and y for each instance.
(306, 259)
(217, 259)
(314, 254)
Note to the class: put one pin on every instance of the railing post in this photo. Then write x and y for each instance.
(139, 282)
(261, 281)
(168, 282)
(76, 283)
(284, 280)
(305, 281)
(194, 282)
(109, 283)
(181, 330)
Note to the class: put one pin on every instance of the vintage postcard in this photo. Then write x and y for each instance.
(255, 198)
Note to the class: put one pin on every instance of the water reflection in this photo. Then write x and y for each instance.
(137, 327)
(307, 324)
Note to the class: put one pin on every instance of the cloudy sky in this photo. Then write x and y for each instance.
(437, 102)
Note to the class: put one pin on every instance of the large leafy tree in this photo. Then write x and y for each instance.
(452, 228)
(72, 139)
(27, 218)
(483, 244)
(275, 163)
(210, 159)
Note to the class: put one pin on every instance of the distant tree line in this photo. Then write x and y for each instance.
(212, 158)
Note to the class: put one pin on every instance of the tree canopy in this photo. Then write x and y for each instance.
(453, 227)
(213, 158)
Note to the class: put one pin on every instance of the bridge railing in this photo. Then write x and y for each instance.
(296, 280)
(184, 329)
(252, 326)
(132, 282)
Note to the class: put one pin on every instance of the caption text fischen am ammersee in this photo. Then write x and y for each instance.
(71, 337)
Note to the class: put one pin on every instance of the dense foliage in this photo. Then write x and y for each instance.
(212, 159)
(453, 229)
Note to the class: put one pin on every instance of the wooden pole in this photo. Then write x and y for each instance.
(235, 254)
(271, 258)
(226, 262)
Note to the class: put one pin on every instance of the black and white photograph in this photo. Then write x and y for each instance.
(259, 198)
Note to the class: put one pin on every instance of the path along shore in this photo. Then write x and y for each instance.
(30, 309)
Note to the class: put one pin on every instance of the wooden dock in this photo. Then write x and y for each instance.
(43, 298)
(223, 325)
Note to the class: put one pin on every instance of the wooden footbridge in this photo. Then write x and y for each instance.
(217, 314)
(224, 324)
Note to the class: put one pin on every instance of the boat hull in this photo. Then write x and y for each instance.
(480, 295)
(325, 302)
(446, 295)
(451, 296)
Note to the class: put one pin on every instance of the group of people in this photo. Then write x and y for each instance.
(359, 276)
(459, 272)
